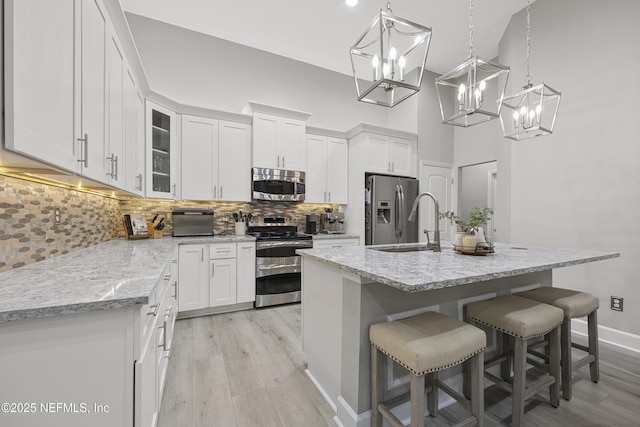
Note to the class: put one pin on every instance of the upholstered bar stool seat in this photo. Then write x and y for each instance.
(520, 319)
(574, 304)
(425, 344)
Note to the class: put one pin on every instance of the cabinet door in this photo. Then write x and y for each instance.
(116, 134)
(134, 136)
(222, 282)
(193, 277)
(234, 162)
(93, 89)
(265, 141)
(246, 283)
(39, 80)
(199, 158)
(376, 155)
(160, 153)
(292, 144)
(316, 175)
(334, 243)
(145, 371)
(337, 171)
(402, 158)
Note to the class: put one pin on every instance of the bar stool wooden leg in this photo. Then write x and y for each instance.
(505, 367)
(432, 396)
(592, 322)
(417, 400)
(554, 367)
(565, 359)
(476, 369)
(377, 385)
(519, 376)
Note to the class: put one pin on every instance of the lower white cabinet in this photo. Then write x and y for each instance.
(101, 368)
(216, 275)
(335, 243)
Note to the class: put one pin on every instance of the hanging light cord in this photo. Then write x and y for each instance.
(471, 50)
(528, 76)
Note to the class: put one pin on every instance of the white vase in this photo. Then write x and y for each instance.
(469, 240)
(457, 238)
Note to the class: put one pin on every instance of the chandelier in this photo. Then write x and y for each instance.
(388, 59)
(472, 92)
(532, 111)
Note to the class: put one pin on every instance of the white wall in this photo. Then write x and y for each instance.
(580, 187)
(195, 69)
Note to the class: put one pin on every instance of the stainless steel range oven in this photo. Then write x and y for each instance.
(278, 268)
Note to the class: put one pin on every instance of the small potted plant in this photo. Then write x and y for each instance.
(467, 238)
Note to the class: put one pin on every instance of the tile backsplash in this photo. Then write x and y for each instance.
(28, 232)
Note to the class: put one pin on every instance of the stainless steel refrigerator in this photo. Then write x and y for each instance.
(388, 202)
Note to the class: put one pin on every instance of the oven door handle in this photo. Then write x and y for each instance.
(284, 244)
(273, 270)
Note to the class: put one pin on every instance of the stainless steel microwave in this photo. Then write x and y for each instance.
(277, 185)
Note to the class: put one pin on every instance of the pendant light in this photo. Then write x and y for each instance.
(532, 111)
(388, 59)
(472, 92)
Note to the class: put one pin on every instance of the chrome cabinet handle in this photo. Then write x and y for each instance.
(325, 196)
(84, 159)
(155, 311)
(389, 166)
(393, 166)
(139, 179)
(215, 191)
(278, 161)
(116, 167)
(175, 290)
(221, 191)
(173, 189)
(329, 197)
(283, 161)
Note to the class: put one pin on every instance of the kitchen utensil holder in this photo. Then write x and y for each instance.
(153, 233)
(241, 228)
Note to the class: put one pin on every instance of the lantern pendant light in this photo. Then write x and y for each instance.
(388, 59)
(532, 111)
(472, 92)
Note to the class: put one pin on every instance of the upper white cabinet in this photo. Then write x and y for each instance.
(161, 152)
(327, 170)
(134, 136)
(216, 159)
(56, 83)
(390, 155)
(115, 166)
(278, 137)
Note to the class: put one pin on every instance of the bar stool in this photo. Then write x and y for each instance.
(574, 304)
(425, 344)
(519, 319)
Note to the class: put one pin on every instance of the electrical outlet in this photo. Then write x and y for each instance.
(616, 303)
(56, 215)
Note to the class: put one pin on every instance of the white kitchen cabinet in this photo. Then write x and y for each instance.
(161, 151)
(334, 243)
(193, 277)
(134, 136)
(216, 159)
(246, 276)
(115, 158)
(327, 170)
(222, 280)
(56, 83)
(390, 155)
(278, 142)
(94, 31)
(216, 275)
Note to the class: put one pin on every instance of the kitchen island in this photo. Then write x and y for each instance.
(345, 290)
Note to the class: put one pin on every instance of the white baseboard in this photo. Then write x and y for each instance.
(347, 417)
(609, 335)
(321, 390)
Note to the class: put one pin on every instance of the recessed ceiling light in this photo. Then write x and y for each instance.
(352, 2)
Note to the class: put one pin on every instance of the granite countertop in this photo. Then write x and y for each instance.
(326, 236)
(115, 274)
(426, 270)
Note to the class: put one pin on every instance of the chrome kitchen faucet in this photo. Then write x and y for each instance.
(435, 246)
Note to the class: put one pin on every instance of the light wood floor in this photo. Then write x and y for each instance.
(247, 369)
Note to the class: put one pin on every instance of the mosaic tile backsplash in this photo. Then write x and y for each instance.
(28, 232)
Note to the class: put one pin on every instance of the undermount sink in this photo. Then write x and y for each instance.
(403, 249)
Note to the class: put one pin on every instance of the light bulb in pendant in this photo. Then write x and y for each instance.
(402, 62)
(483, 85)
(375, 63)
(352, 2)
(392, 53)
(385, 70)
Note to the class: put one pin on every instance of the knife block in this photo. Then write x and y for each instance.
(153, 233)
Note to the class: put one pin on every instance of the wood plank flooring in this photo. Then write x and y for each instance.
(247, 369)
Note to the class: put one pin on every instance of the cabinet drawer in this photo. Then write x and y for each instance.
(222, 250)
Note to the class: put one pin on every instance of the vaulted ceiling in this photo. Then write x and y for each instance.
(320, 32)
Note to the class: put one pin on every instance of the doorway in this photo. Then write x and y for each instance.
(477, 189)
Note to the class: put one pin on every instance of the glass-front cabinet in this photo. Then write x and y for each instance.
(161, 151)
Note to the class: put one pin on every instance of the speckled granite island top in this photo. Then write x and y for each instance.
(426, 270)
(115, 274)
